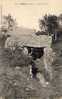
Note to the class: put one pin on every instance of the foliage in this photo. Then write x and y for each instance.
(49, 22)
(8, 23)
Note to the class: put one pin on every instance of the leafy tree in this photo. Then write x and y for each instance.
(43, 23)
(49, 23)
(8, 23)
(60, 21)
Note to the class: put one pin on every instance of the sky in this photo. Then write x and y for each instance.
(28, 12)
